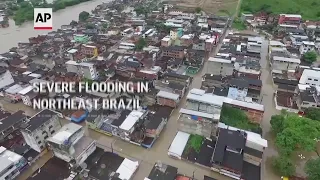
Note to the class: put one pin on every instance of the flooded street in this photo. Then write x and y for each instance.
(12, 35)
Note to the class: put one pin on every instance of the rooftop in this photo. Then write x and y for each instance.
(162, 171)
(40, 118)
(64, 133)
(131, 119)
(11, 120)
(157, 116)
(229, 139)
(54, 169)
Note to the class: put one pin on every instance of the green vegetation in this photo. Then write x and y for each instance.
(283, 165)
(195, 142)
(237, 118)
(23, 10)
(313, 113)
(141, 44)
(90, 26)
(310, 56)
(238, 25)
(308, 9)
(142, 10)
(162, 28)
(312, 169)
(293, 134)
(83, 16)
(198, 10)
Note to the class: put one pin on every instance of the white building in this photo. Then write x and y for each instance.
(310, 77)
(254, 44)
(284, 63)
(11, 164)
(40, 127)
(69, 143)
(85, 69)
(307, 46)
(5, 78)
(219, 66)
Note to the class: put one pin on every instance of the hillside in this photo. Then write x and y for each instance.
(309, 9)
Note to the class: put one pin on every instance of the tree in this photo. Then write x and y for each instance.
(313, 113)
(74, 23)
(90, 26)
(83, 16)
(141, 44)
(312, 169)
(299, 133)
(105, 25)
(198, 9)
(310, 56)
(141, 10)
(283, 166)
(277, 123)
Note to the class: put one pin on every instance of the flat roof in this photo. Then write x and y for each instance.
(11, 120)
(293, 60)
(131, 120)
(309, 73)
(107, 163)
(64, 133)
(228, 138)
(127, 169)
(163, 172)
(53, 169)
(219, 60)
(161, 113)
(201, 96)
(168, 95)
(250, 105)
(196, 113)
(26, 90)
(179, 143)
(123, 116)
(40, 118)
(5, 163)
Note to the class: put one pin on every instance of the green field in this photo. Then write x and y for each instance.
(309, 9)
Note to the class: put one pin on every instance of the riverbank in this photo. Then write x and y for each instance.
(11, 36)
(23, 10)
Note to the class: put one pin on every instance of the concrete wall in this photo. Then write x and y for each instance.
(203, 128)
(217, 68)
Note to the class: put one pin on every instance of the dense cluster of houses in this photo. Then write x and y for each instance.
(295, 79)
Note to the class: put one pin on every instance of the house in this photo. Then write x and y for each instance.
(290, 19)
(89, 50)
(166, 41)
(310, 77)
(173, 52)
(196, 122)
(12, 93)
(40, 127)
(81, 38)
(284, 63)
(228, 153)
(162, 171)
(83, 69)
(178, 144)
(219, 66)
(253, 86)
(11, 123)
(308, 98)
(254, 44)
(5, 77)
(11, 164)
(306, 46)
(168, 99)
(170, 86)
(70, 144)
(186, 40)
(27, 95)
(128, 125)
(176, 33)
(178, 78)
